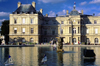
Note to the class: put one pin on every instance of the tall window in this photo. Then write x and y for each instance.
(45, 32)
(96, 40)
(31, 21)
(70, 29)
(74, 20)
(87, 30)
(78, 29)
(74, 30)
(15, 21)
(95, 22)
(31, 30)
(54, 22)
(15, 30)
(23, 20)
(23, 30)
(96, 31)
(70, 22)
(78, 22)
(53, 32)
(61, 31)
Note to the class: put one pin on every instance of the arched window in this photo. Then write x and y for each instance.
(74, 40)
(96, 41)
(23, 39)
(15, 39)
(31, 39)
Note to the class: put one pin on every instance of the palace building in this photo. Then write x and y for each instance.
(29, 25)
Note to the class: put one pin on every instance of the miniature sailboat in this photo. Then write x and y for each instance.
(89, 54)
(9, 61)
(44, 59)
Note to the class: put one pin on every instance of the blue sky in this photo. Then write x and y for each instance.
(51, 7)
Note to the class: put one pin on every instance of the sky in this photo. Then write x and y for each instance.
(51, 7)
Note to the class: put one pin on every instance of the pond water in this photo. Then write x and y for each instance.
(32, 56)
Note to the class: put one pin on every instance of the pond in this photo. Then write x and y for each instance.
(32, 56)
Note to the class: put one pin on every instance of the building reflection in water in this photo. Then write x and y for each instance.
(4, 53)
(60, 58)
(24, 56)
(32, 56)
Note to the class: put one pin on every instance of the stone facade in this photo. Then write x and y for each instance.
(34, 27)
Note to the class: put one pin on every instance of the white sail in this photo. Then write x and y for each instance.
(44, 59)
(9, 61)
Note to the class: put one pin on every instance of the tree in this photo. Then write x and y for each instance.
(5, 30)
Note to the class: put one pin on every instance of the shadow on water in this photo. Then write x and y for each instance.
(88, 52)
(89, 62)
(60, 59)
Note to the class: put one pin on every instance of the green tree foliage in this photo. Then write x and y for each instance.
(5, 30)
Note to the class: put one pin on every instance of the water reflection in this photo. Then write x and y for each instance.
(32, 56)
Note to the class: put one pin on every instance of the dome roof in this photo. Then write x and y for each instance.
(74, 11)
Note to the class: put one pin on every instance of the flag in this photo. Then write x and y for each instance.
(74, 2)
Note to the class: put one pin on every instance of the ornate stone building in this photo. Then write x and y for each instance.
(27, 24)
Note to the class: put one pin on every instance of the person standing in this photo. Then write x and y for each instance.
(78, 42)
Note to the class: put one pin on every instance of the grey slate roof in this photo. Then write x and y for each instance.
(26, 8)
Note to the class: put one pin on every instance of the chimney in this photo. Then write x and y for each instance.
(46, 15)
(19, 4)
(67, 12)
(33, 4)
(82, 12)
(41, 10)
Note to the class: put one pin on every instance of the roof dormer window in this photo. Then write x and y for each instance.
(62, 22)
(95, 22)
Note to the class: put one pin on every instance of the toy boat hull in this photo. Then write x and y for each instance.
(9, 64)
